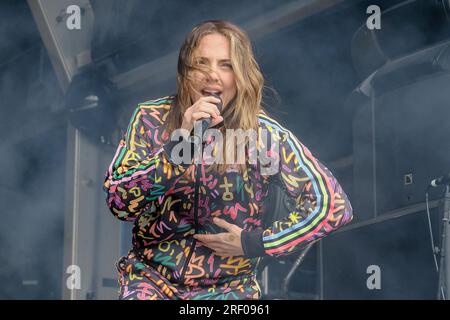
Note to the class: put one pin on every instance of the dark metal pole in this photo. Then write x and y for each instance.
(444, 265)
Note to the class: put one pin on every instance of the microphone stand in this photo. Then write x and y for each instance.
(297, 263)
(444, 264)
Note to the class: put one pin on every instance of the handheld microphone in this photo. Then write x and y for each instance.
(206, 122)
(439, 181)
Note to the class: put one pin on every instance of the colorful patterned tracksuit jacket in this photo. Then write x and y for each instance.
(170, 202)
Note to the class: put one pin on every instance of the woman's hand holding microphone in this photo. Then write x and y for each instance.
(203, 108)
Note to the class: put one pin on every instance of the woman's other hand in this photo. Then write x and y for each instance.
(225, 243)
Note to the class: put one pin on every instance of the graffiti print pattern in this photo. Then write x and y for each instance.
(143, 186)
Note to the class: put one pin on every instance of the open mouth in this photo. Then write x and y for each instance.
(206, 92)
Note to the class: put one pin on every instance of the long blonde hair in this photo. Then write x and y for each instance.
(242, 111)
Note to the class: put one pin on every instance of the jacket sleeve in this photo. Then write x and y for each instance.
(321, 206)
(133, 180)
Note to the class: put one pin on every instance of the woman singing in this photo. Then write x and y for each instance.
(198, 231)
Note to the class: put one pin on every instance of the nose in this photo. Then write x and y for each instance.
(213, 74)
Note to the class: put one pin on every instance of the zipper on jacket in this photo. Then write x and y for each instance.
(196, 191)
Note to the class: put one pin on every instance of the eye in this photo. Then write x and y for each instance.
(200, 61)
(228, 65)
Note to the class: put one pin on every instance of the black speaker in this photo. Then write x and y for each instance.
(401, 249)
(91, 103)
(405, 28)
(400, 133)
